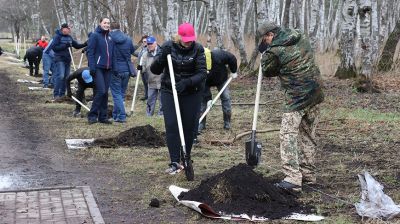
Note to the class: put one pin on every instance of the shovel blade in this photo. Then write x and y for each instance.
(189, 172)
(253, 152)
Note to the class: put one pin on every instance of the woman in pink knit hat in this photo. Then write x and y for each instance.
(190, 70)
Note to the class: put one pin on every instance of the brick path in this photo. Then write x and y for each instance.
(68, 205)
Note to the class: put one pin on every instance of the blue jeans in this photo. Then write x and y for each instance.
(118, 86)
(100, 100)
(48, 65)
(225, 100)
(63, 69)
(153, 94)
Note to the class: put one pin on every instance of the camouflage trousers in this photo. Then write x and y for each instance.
(298, 146)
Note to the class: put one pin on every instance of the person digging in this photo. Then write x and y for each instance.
(85, 80)
(287, 54)
(34, 56)
(217, 75)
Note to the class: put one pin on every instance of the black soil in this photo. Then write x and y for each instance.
(240, 190)
(146, 136)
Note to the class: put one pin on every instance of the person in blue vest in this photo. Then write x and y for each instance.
(100, 58)
(62, 42)
(122, 70)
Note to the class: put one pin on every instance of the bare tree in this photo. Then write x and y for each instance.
(347, 67)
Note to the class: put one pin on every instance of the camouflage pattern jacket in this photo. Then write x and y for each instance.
(291, 58)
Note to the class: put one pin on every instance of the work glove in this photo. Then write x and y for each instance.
(166, 50)
(69, 44)
(85, 43)
(262, 47)
(182, 85)
(69, 94)
(139, 68)
(234, 75)
(93, 73)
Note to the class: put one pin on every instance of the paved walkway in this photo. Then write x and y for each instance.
(68, 205)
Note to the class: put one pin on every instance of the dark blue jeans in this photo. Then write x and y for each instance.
(189, 106)
(100, 100)
(63, 69)
(118, 85)
(48, 65)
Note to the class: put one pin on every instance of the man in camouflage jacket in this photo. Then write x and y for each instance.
(287, 53)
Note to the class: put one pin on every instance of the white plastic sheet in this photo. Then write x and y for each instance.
(374, 202)
(74, 144)
(207, 211)
(27, 81)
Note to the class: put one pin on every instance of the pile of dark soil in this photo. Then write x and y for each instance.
(146, 136)
(241, 190)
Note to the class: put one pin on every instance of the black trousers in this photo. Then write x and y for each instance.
(36, 62)
(80, 94)
(189, 106)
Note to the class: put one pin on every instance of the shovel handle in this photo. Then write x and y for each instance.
(80, 61)
(72, 58)
(215, 99)
(257, 101)
(136, 87)
(80, 103)
(176, 102)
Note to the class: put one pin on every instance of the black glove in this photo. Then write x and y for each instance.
(93, 73)
(182, 85)
(85, 43)
(262, 47)
(69, 44)
(139, 68)
(69, 94)
(166, 50)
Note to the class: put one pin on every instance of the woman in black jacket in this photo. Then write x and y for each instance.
(190, 70)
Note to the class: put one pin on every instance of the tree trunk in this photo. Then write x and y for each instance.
(347, 67)
(386, 60)
(364, 10)
(313, 23)
(147, 17)
(237, 37)
(286, 11)
(261, 16)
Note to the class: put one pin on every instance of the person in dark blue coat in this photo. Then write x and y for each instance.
(100, 58)
(62, 42)
(122, 70)
(190, 70)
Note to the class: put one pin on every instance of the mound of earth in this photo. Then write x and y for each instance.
(241, 190)
(146, 136)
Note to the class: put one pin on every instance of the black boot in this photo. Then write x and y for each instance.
(227, 120)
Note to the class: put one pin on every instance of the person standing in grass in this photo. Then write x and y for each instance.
(42, 42)
(48, 65)
(122, 70)
(190, 70)
(100, 58)
(154, 81)
(61, 45)
(287, 54)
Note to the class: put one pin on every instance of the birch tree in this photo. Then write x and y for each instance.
(364, 10)
(237, 37)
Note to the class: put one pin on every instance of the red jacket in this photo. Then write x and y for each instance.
(42, 44)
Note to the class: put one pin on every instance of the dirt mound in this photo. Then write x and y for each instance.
(146, 136)
(241, 190)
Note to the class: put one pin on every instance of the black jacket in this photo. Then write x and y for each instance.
(219, 73)
(188, 63)
(33, 54)
(78, 76)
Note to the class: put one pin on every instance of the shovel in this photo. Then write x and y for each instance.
(209, 106)
(72, 58)
(187, 162)
(80, 61)
(136, 88)
(253, 147)
(80, 103)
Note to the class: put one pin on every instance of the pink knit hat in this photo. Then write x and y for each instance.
(186, 31)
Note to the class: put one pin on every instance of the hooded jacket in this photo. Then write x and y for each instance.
(33, 54)
(154, 81)
(291, 58)
(100, 50)
(219, 73)
(123, 49)
(188, 63)
(60, 46)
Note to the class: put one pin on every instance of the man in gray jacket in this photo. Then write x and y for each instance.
(153, 81)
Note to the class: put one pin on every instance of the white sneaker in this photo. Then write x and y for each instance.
(174, 168)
